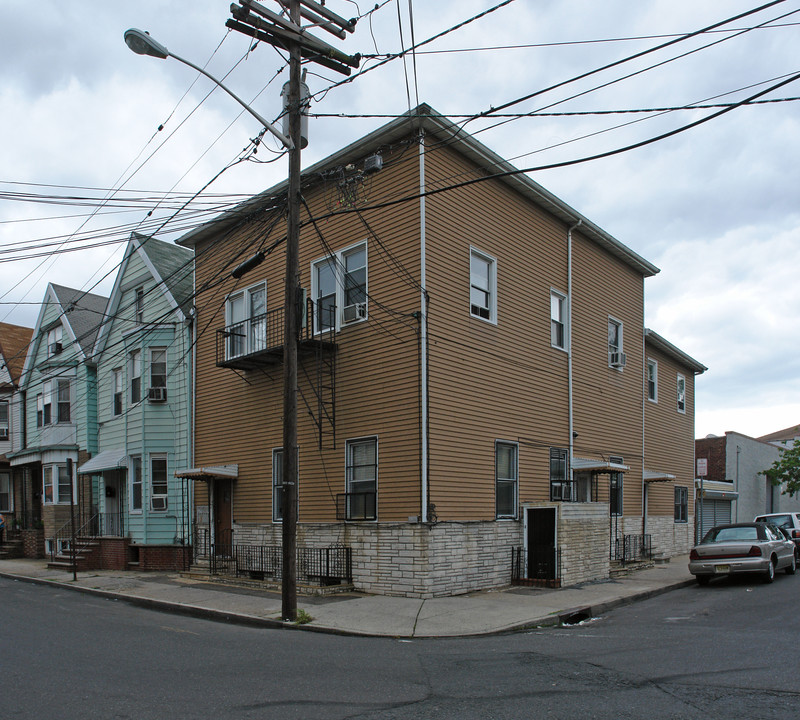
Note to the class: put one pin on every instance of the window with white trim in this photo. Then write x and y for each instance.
(136, 483)
(158, 483)
(4, 420)
(681, 504)
(615, 352)
(116, 380)
(54, 392)
(136, 376)
(681, 393)
(482, 286)
(339, 288)
(362, 478)
(62, 390)
(558, 319)
(652, 380)
(55, 485)
(138, 307)
(158, 367)
(246, 321)
(505, 479)
(560, 487)
(6, 494)
(55, 337)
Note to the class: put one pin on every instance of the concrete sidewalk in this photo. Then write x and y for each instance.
(476, 613)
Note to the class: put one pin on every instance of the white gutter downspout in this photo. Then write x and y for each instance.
(423, 330)
(569, 346)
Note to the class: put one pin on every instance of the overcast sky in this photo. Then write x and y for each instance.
(715, 207)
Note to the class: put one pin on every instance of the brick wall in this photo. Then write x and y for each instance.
(164, 558)
(33, 542)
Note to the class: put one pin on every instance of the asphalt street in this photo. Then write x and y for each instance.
(715, 652)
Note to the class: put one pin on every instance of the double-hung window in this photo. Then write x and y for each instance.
(246, 321)
(6, 496)
(652, 380)
(158, 370)
(505, 474)
(138, 307)
(681, 393)
(339, 288)
(558, 320)
(54, 393)
(362, 478)
(4, 420)
(55, 484)
(681, 504)
(136, 376)
(136, 483)
(63, 400)
(55, 340)
(482, 286)
(560, 488)
(616, 357)
(158, 482)
(116, 379)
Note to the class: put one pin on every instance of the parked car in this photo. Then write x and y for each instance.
(789, 522)
(755, 547)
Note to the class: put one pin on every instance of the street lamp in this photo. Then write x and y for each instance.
(142, 44)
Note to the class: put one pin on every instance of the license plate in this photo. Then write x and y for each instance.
(722, 568)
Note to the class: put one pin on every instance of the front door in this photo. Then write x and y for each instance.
(541, 538)
(222, 509)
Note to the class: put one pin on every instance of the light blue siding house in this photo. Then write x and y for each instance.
(57, 407)
(143, 355)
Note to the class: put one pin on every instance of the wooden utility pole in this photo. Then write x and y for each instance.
(290, 470)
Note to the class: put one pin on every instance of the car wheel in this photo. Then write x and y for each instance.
(703, 579)
(769, 576)
(790, 569)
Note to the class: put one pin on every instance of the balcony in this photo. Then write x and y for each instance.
(258, 341)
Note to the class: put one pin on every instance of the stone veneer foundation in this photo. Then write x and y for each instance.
(435, 560)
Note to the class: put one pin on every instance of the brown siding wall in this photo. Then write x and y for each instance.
(239, 414)
(669, 436)
(608, 401)
(491, 382)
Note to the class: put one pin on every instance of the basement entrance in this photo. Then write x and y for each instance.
(540, 541)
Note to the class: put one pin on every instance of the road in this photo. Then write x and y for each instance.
(718, 652)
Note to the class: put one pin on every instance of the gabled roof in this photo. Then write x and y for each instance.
(172, 269)
(14, 341)
(80, 314)
(426, 118)
(784, 435)
(666, 347)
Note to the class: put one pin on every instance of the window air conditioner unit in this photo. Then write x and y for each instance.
(158, 502)
(56, 348)
(355, 312)
(157, 394)
(617, 359)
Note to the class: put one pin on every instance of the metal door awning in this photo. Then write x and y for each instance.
(598, 466)
(210, 472)
(651, 476)
(106, 460)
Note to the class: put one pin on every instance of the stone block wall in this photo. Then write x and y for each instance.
(583, 537)
(668, 537)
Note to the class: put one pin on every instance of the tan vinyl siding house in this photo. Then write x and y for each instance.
(445, 388)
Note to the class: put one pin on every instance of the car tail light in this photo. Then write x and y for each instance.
(796, 533)
(694, 555)
(755, 551)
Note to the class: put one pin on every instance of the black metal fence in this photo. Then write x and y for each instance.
(536, 565)
(631, 548)
(325, 566)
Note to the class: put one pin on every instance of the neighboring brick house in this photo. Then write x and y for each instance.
(143, 358)
(58, 406)
(735, 488)
(471, 378)
(15, 506)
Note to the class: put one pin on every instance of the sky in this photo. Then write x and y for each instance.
(715, 206)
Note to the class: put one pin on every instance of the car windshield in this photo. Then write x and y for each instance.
(784, 521)
(731, 534)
